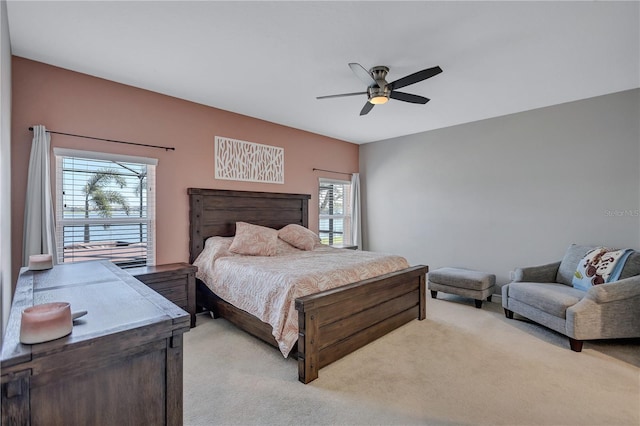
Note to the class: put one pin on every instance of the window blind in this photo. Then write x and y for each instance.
(334, 212)
(105, 208)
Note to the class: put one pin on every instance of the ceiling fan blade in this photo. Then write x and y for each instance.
(408, 97)
(341, 95)
(362, 73)
(366, 108)
(414, 78)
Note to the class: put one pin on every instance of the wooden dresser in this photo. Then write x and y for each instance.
(122, 363)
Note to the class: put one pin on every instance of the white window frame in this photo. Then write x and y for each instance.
(149, 220)
(346, 216)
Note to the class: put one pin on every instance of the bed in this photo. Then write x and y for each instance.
(331, 323)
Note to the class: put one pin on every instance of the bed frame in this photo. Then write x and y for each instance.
(332, 323)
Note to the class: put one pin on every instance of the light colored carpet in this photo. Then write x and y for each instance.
(461, 365)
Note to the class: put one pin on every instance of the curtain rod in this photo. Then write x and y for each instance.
(331, 171)
(168, 148)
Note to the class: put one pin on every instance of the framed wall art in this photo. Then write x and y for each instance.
(248, 161)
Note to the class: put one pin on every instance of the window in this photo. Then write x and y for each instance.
(105, 207)
(335, 212)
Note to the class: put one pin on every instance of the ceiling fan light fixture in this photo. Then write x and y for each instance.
(378, 100)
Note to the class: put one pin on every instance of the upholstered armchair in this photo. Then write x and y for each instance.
(545, 294)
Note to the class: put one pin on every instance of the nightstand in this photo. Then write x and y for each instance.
(174, 281)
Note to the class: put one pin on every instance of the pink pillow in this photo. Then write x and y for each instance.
(254, 240)
(299, 237)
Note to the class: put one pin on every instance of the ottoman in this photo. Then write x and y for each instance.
(462, 282)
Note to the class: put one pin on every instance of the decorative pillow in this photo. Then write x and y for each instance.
(599, 266)
(254, 240)
(299, 237)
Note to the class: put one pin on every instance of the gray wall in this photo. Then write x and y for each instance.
(509, 191)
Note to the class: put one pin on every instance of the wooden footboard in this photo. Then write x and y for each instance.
(336, 322)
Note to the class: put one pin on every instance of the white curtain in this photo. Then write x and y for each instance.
(39, 221)
(356, 225)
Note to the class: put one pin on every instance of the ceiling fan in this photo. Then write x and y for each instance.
(379, 91)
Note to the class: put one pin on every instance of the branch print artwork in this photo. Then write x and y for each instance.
(248, 161)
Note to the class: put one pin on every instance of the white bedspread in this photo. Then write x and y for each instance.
(267, 286)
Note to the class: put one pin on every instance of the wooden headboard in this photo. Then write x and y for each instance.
(214, 212)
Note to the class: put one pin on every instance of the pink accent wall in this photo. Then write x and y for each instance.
(77, 103)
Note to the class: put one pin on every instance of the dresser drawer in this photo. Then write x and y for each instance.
(176, 291)
(171, 289)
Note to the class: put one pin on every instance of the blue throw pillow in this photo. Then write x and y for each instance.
(600, 266)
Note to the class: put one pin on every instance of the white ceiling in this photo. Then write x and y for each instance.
(270, 59)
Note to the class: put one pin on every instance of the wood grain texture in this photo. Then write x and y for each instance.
(174, 281)
(348, 317)
(16, 398)
(331, 323)
(174, 379)
(122, 363)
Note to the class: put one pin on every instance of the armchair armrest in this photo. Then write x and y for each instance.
(537, 274)
(619, 290)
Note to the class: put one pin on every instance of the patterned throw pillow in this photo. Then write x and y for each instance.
(600, 266)
(299, 237)
(254, 240)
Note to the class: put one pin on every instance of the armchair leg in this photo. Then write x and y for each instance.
(434, 294)
(508, 313)
(576, 345)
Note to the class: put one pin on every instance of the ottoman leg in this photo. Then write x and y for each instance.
(478, 303)
(434, 294)
(508, 313)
